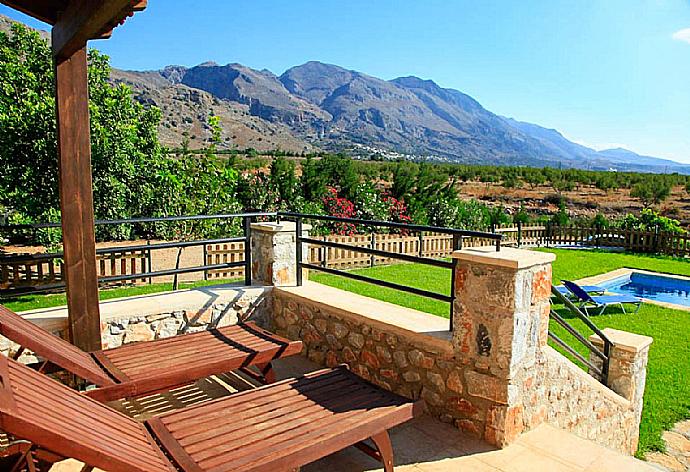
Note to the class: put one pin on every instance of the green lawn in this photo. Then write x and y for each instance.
(33, 302)
(667, 396)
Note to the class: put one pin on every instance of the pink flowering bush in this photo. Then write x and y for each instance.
(341, 208)
(397, 210)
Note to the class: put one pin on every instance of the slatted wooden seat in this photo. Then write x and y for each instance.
(277, 427)
(149, 367)
(52, 416)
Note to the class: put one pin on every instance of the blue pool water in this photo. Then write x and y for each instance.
(652, 287)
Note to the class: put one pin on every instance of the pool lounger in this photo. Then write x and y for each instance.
(602, 302)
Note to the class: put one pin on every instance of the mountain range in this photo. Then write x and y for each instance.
(324, 106)
(317, 106)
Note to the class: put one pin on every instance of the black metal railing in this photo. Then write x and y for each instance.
(147, 248)
(457, 243)
(604, 355)
(457, 235)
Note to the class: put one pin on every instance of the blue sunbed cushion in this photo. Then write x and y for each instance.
(608, 299)
(586, 288)
(578, 291)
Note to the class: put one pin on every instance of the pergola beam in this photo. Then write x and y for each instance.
(44, 10)
(89, 19)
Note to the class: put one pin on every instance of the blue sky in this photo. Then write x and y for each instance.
(603, 72)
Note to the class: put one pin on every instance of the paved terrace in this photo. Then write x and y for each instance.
(421, 445)
(553, 392)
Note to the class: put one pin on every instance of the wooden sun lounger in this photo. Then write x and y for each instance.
(149, 367)
(273, 428)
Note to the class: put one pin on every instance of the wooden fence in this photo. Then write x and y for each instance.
(27, 270)
(124, 263)
(428, 245)
(521, 235)
(24, 271)
(431, 245)
(439, 245)
(672, 244)
(222, 254)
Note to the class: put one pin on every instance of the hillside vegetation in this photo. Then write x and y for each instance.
(135, 176)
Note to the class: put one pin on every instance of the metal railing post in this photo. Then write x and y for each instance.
(457, 242)
(246, 224)
(452, 294)
(605, 364)
(149, 260)
(298, 250)
(604, 354)
(547, 238)
(421, 244)
(457, 245)
(372, 258)
(519, 235)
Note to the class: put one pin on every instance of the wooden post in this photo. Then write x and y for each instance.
(76, 200)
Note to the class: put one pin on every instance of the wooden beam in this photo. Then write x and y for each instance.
(76, 201)
(137, 5)
(88, 19)
(44, 10)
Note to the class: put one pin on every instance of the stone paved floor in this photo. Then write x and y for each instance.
(421, 445)
(677, 455)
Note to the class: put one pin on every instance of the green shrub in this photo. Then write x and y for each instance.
(651, 191)
(650, 220)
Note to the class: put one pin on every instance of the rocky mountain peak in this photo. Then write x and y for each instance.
(333, 108)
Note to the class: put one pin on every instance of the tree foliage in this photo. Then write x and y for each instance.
(123, 134)
(131, 175)
(652, 191)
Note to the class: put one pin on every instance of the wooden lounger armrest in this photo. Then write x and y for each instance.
(114, 392)
(174, 379)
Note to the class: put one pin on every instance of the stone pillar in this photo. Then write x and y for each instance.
(274, 253)
(627, 370)
(501, 317)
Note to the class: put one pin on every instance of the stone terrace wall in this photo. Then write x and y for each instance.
(565, 396)
(128, 329)
(411, 364)
(502, 320)
(145, 318)
(494, 376)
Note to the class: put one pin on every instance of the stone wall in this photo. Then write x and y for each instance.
(146, 318)
(408, 363)
(474, 379)
(128, 329)
(501, 321)
(274, 256)
(563, 395)
(494, 376)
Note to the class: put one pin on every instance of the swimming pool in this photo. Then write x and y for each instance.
(651, 286)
